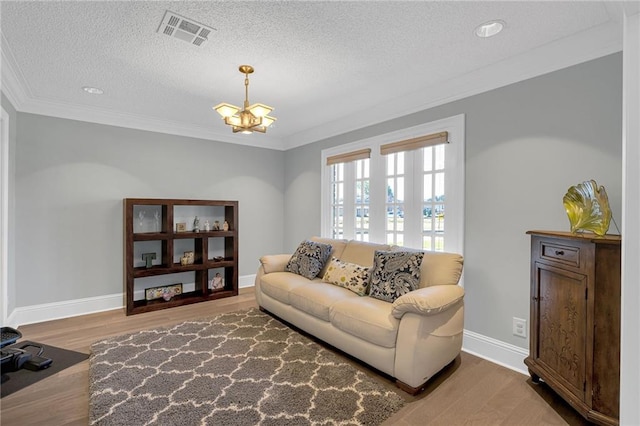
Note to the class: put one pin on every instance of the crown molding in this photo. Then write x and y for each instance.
(16, 90)
(587, 45)
(12, 87)
(138, 122)
(599, 41)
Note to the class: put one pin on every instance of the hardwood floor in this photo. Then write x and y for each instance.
(469, 391)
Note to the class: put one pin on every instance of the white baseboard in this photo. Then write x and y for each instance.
(493, 350)
(65, 309)
(73, 308)
(246, 281)
(496, 351)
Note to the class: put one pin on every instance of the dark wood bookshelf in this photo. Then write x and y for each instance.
(166, 235)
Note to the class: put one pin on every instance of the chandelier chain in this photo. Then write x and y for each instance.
(246, 91)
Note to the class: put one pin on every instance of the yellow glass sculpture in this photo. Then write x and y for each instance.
(588, 208)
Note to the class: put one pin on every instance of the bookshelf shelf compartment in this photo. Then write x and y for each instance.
(157, 233)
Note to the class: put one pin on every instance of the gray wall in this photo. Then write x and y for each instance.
(71, 177)
(526, 144)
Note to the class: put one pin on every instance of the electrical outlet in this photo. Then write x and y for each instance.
(519, 327)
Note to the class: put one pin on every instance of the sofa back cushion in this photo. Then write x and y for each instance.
(337, 244)
(361, 253)
(337, 249)
(438, 268)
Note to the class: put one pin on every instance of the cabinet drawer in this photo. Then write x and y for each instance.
(567, 255)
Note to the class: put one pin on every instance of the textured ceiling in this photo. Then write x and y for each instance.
(326, 67)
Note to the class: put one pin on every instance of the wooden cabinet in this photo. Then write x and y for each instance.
(158, 233)
(575, 320)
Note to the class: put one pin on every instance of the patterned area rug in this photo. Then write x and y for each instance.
(240, 368)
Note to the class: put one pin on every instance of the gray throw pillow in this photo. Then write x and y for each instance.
(394, 273)
(309, 259)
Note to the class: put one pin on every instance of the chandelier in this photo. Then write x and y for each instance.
(250, 119)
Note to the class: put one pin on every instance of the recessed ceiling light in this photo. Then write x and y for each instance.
(93, 90)
(489, 29)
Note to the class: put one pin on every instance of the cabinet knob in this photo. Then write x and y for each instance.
(559, 252)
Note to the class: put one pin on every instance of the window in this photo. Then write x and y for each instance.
(399, 190)
(395, 206)
(433, 197)
(361, 227)
(337, 200)
(349, 189)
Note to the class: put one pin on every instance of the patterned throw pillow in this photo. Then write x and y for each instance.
(348, 275)
(394, 273)
(309, 259)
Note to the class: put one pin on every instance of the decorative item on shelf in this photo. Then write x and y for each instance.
(184, 261)
(225, 226)
(166, 292)
(190, 257)
(148, 258)
(207, 226)
(250, 119)
(156, 216)
(218, 258)
(217, 282)
(216, 225)
(587, 207)
(141, 215)
(196, 224)
(181, 227)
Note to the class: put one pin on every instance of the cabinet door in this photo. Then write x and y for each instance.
(562, 319)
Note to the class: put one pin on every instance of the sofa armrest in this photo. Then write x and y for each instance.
(428, 300)
(274, 262)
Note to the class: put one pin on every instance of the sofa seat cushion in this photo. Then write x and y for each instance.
(279, 285)
(367, 318)
(316, 298)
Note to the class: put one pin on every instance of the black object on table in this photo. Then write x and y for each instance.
(9, 336)
(16, 357)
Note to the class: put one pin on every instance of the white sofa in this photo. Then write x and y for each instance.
(410, 339)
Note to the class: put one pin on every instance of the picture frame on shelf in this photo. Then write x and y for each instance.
(166, 292)
(181, 227)
(217, 282)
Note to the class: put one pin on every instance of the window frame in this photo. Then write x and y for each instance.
(454, 181)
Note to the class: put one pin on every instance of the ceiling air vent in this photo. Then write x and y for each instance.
(185, 29)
